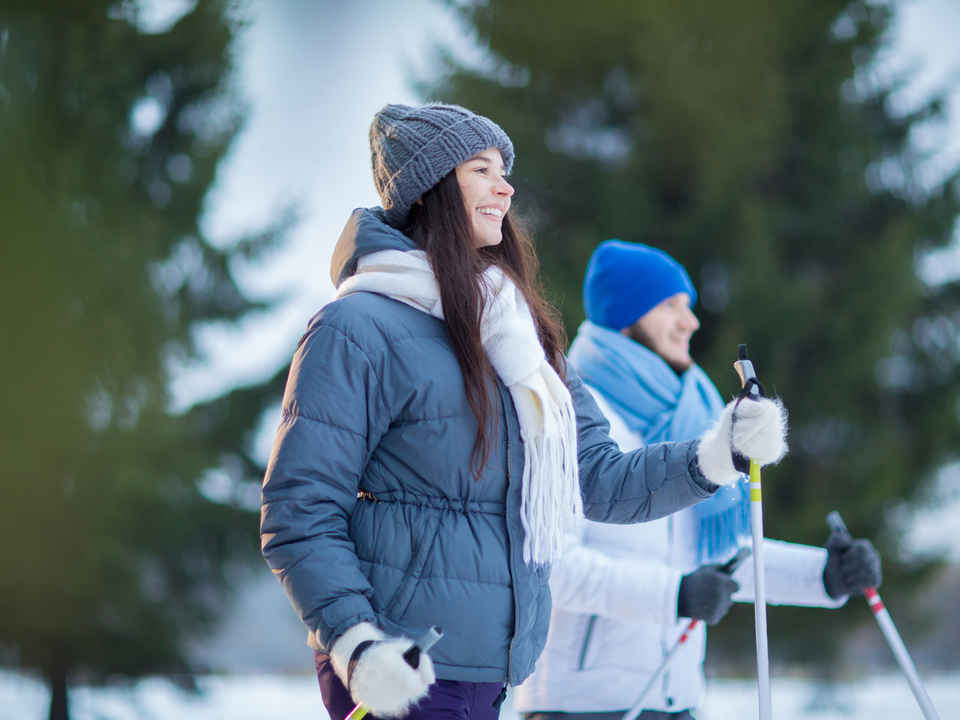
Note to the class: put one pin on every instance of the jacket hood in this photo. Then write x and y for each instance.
(365, 232)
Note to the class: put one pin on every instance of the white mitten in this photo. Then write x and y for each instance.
(760, 433)
(381, 679)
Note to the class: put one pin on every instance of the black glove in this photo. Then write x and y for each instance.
(705, 594)
(852, 566)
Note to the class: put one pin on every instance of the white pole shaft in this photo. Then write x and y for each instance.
(638, 708)
(760, 593)
(900, 652)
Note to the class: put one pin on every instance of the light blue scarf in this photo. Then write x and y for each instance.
(661, 406)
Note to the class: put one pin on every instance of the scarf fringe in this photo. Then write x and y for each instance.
(722, 533)
(551, 504)
(543, 540)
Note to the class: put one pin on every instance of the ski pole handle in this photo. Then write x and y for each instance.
(746, 372)
(731, 565)
(422, 645)
(412, 658)
(836, 525)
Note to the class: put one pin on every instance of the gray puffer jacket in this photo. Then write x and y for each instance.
(370, 511)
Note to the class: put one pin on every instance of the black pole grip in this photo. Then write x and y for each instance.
(426, 641)
(836, 525)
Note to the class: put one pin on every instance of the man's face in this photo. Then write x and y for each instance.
(666, 329)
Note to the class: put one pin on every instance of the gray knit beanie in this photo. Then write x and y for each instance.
(414, 148)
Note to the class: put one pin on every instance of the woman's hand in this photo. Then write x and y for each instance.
(373, 669)
(756, 429)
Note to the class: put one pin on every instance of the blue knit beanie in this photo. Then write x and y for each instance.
(414, 148)
(626, 280)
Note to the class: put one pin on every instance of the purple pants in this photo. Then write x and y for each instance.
(446, 699)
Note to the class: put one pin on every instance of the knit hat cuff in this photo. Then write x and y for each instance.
(428, 166)
(637, 299)
(624, 281)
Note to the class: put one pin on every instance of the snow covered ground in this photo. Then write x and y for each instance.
(255, 697)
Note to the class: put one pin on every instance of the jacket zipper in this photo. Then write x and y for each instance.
(506, 427)
(665, 684)
(586, 641)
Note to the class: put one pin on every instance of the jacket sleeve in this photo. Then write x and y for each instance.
(589, 581)
(646, 484)
(332, 416)
(793, 575)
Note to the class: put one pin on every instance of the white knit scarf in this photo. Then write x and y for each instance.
(551, 503)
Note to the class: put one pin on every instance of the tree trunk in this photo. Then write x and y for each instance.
(57, 679)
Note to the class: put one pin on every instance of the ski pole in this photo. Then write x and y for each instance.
(753, 390)
(638, 708)
(412, 656)
(836, 524)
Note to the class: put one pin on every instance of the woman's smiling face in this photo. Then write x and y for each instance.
(486, 195)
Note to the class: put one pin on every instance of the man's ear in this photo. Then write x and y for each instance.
(420, 201)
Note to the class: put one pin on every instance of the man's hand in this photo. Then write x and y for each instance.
(705, 594)
(852, 566)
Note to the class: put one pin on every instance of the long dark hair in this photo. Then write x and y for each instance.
(439, 225)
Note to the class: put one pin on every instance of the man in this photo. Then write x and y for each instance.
(622, 595)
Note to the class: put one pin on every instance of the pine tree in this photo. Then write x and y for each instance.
(111, 553)
(754, 142)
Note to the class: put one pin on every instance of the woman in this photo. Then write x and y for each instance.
(434, 446)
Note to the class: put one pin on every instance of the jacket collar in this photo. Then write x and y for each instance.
(365, 232)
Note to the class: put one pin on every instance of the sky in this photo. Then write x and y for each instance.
(314, 72)
(925, 47)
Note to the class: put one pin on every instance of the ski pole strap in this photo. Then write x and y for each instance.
(741, 463)
(355, 658)
(752, 390)
(749, 392)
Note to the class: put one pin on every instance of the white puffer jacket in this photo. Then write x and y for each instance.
(615, 610)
